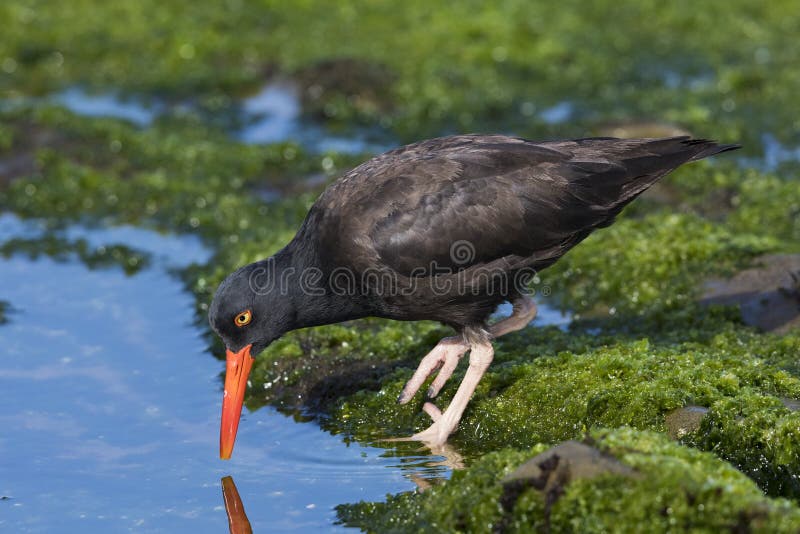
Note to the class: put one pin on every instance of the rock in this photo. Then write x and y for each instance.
(550, 471)
(12, 167)
(684, 420)
(768, 294)
(792, 404)
(19, 160)
(565, 462)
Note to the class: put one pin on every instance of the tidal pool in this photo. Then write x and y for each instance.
(80, 102)
(272, 115)
(111, 407)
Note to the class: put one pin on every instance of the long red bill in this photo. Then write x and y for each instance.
(236, 372)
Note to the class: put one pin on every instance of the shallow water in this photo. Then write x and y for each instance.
(272, 115)
(80, 102)
(112, 402)
(558, 114)
(546, 314)
(776, 153)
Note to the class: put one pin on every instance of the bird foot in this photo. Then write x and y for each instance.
(445, 423)
(435, 435)
(444, 357)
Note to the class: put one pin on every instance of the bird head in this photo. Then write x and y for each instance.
(248, 316)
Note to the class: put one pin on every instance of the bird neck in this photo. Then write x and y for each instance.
(304, 286)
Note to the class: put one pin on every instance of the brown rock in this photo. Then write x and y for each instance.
(768, 294)
(684, 420)
(565, 462)
(792, 404)
(550, 471)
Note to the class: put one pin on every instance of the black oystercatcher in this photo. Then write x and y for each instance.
(444, 229)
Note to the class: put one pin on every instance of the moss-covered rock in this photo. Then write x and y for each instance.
(684, 420)
(760, 435)
(677, 489)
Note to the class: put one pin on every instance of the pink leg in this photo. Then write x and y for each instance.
(444, 424)
(524, 313)
(446, 354)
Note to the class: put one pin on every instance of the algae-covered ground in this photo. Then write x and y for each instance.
(641, 345)
(674, 489)
(721, 68)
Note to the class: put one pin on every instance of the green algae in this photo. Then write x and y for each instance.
(742, 198)
(678, 489)
(637, 265)
(760, 435)
(423, 68)
(177, 176)
(310, 370)
(179, 147)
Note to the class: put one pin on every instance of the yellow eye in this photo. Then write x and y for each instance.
(243, 319)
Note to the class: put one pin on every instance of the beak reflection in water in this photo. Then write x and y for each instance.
(237, 519)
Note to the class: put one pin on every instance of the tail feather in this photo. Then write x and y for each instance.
(710, 148)
(612, 172)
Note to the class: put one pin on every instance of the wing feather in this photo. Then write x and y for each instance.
(502, 198)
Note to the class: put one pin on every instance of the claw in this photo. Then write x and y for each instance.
(403, 398)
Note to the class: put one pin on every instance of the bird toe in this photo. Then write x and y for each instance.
(432, 410)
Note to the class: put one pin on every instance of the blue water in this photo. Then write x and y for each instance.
(558, 114)
(272, 115)
(80, 102)
(546, 314)
(111, 408)
(275, 115)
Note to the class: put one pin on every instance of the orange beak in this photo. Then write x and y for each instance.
(236, 372)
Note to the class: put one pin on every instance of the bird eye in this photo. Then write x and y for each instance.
(244, 318)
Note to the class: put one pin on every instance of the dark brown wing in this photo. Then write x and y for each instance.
(462, 201)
